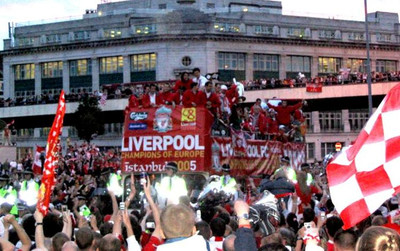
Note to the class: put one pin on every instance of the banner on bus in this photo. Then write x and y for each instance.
(156, 136)
(261, 157)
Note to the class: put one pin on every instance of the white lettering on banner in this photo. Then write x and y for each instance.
(152, 167)
(161, 143)
(252, 151)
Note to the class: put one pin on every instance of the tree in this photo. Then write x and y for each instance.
(88, 119)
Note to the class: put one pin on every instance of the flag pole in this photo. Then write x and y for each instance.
(368, 61)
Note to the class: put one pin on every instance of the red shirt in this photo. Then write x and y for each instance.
(215, 102)
(167, 97)
(189, 97)
(186, 84)
(305, 198)
(283, 115)
(177, 98)
(146, 101)
(272, 125)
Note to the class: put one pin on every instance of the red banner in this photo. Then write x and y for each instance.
(52, 151)
(314, 87)
(261, 157)
(155, 136)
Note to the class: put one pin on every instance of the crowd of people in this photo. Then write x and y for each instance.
(118, 91)
(288, 210)
(340, 78)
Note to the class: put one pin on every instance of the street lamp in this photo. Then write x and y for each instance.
(368, 62)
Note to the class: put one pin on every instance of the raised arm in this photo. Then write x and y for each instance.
(39, 235)
(22, 235)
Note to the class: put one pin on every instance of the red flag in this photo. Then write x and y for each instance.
(37, 163)
(366, 174)
(48, 179)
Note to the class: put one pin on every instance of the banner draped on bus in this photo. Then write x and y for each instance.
(260, 157)
(155, 136)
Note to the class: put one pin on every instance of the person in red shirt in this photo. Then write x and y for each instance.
(185, 81)
(259, 120)
(272, 124)
(284, 112)
(152, 99)
(193, 97)
(232, 95)
(167, 95)
(304, 191)
(213, 102)
(178, 97)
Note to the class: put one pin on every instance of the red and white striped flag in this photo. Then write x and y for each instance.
(366, 174)
(37, 163)
(48, 179)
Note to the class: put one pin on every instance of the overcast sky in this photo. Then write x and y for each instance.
(20, 11)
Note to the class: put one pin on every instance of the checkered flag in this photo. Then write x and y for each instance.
(363, 176)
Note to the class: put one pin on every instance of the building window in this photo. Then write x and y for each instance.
(210, 5)
(308, 117)
(330, 121)
(112, 33)
(298, 64)
(386, 66)
(327, 34)
(262, 29)
(356, 65)
(186, 61)
(81, 35)
(357, 120)
(357, 36)
(231, 61)
(162, 6)
(24, 71)
(81, 67)
(24, 41)
(298, 32)
(53, 38)
(226, 27)
(52, 69)
(329, 65)
(328, 147)
(264, 62)
(111, 65)
(145, 29)
(143, 62)
(310, 148)
(383, 37)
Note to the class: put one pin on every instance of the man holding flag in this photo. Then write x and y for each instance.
(363, 176)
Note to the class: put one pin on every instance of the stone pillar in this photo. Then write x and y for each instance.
(36, 132)
(315, 122)
(95, 74)
(249, 66)
(66, 76)
(282, 66)
(127, 69)
(314, 66)
(8, 81)
(345, 121)
(38, 79)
